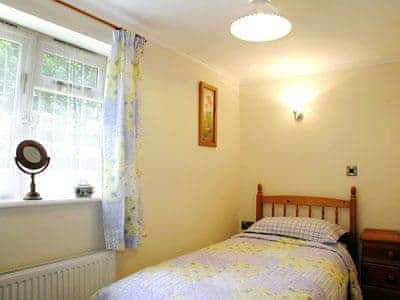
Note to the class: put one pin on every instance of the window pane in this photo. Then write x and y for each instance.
(9, 62)
(9, 57)
(62, 68)
(69, 70)
(70, 128)
(77, 72)
(55, 66)
(49, 65)
(67, 121)
(90, 76)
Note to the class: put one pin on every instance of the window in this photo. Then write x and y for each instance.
(50, 92)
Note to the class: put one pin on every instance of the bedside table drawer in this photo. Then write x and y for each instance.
(375, 293)
(381, 253)
(384, 276)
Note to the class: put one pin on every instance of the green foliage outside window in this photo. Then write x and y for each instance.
(69, 71)
(9, 54)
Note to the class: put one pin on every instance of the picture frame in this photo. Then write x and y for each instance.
(208, 114)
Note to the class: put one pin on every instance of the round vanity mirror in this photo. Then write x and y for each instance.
(31, 154)
(31, 158)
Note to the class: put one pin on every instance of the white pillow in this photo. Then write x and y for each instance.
(303, 228)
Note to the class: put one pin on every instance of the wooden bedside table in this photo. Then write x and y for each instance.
(380, 264)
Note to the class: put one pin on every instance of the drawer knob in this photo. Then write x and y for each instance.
(390, 278)
(390, 254)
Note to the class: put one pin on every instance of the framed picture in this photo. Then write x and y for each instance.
(208, 99)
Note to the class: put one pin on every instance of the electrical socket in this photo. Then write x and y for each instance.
(352, 171)
(246, 224)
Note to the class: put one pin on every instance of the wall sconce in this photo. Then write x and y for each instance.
(298, 116)
(297, 105)
(297, 97)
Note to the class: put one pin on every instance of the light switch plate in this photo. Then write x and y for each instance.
(351, 171)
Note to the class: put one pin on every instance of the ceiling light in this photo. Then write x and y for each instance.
(264, 24)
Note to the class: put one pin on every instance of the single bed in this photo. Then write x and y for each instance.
(251, 265)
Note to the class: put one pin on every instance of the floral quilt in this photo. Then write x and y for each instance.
(247, 266)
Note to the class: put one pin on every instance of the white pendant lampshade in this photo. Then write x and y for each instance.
(263, 25)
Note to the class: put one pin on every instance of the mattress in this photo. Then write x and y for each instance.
(247, 266)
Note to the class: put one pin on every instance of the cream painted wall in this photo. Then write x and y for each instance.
(191, 193)
(353, 118)
(37, 234)
(195, 196)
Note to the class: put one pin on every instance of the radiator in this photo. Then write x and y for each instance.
(71, 279)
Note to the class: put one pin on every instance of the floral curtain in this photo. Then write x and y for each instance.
(122, 137)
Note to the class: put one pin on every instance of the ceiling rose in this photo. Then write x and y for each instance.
(264, 25)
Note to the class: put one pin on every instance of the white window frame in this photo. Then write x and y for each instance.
(27, 43)
(33, 44)
(46, 44)
(29, 76)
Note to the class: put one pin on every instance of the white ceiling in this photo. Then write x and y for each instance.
(327, 34)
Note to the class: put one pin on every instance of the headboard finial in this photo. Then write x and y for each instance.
(259, 201)
(353, 222)
(353, 191)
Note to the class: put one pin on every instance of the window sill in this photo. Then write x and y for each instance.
(32, 203)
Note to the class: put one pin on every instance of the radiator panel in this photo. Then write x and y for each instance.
(72, 279)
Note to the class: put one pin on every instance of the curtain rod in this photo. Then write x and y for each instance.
(91, 16)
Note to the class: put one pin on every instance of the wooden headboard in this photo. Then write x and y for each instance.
(312, 202)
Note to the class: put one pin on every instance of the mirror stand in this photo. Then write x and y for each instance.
(33, 195)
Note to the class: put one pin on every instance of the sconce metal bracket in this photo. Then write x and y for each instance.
(298, 116)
